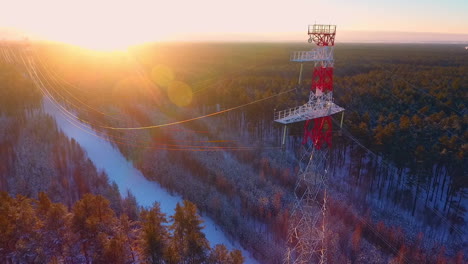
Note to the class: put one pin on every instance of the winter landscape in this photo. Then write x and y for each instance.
(316, 147)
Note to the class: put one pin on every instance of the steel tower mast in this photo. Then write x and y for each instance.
(306, 234)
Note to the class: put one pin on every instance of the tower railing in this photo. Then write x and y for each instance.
(317, 106)
(321, 29)
(319, 54)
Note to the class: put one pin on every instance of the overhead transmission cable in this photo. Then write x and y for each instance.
(56, 82)
(411, 181)
(70, 93)
(362, 146)
(204, 147)
(200, 117)
(349, 135)
(72, 119)
(203, 116)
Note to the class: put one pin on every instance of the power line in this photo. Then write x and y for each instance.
(200, 117)
(362, 146)
(190, 147)
(67, 91)
(72, 119)
(195, 118)
(389, 166)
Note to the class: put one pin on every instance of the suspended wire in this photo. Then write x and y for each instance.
(56, 75)
(59, 94)
(349, 135)
(6, 54)
(382, 238)
(203, 116)
(200, 148)
(426, 93)
(192, 119)
(372, 229)
(71, 115)
(4, 58)
(89, 123)
(388, 166)
(53, 79)
(41, 62)
(310, 152)
(230, 109)
(72, 119)
(411, 181)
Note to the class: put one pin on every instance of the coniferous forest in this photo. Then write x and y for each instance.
(397, 188)
(40, 231)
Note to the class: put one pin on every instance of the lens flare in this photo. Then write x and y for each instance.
(180, 93)
(162, 75)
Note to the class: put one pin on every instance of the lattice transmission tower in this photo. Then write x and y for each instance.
(306, 234)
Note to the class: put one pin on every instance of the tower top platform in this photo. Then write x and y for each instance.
(322, 35)
(322, 29)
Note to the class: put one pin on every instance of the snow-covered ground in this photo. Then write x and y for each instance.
(109, 159)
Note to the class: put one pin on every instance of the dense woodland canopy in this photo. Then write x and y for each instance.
(399, 161)
(40, 231)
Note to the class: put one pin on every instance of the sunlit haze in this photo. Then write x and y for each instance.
(108, 24)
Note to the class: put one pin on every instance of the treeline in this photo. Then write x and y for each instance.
(40, 231)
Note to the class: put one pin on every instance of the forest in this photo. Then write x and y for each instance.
(398, 183)
(89, 222)
(40, 231)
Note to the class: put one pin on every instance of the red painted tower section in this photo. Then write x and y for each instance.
(319, 130)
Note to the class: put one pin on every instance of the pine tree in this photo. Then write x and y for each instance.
(55, 231)
(92, 218)
(219, 255)
(188, 243)
(25, 235)
(7, 226)
(198, 245)
(154, 234)
(176, 248)
(236, 257)
(114, 250)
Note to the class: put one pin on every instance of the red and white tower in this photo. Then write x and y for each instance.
(306, 236)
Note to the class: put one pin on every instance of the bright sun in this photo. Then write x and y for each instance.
(101, 25)
(101, 41)
(107, 25)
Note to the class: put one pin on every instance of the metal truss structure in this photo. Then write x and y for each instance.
(306, 234)
(323, 55)
(317, 106)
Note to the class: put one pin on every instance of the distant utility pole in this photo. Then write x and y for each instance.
(306, 234)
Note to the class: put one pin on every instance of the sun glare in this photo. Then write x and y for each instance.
(108, 35)
(99, 25)
(103, 44)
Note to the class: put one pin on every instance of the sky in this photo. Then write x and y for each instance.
(127, 22)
